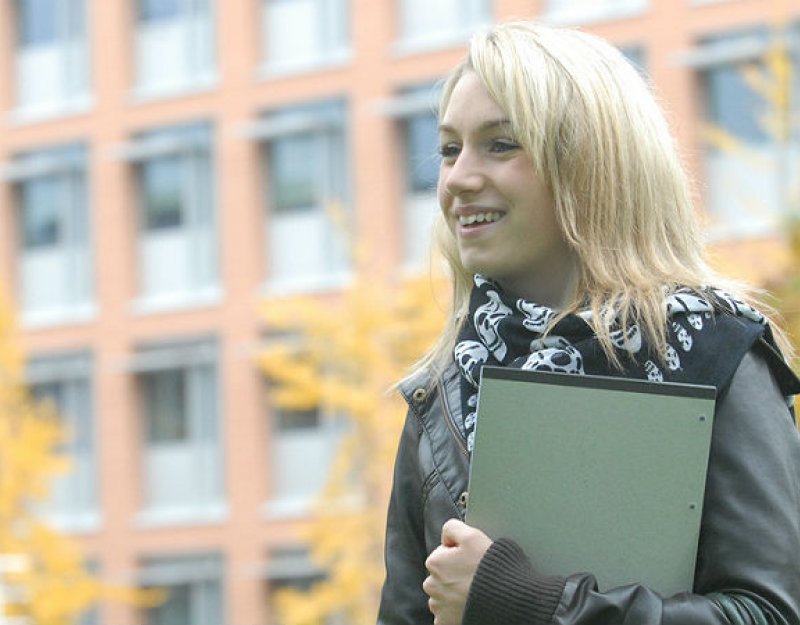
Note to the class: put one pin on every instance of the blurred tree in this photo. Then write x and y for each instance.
(787, 296)
(43, 579)
(341, 356)
(773, 78)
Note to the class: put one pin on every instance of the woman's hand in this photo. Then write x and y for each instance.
(452, 566)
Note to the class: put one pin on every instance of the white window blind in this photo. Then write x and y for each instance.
(52, 64)
(425, 23)
(174, 46)
(301, 33)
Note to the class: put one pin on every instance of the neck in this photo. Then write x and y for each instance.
(555, 290)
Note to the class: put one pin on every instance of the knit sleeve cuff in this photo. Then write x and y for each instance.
(506, 590)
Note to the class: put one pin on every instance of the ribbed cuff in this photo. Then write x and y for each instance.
(506, 590)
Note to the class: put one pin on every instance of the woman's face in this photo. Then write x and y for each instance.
(501, 214)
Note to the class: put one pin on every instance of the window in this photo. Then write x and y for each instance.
(174, 46)
(303, 446)
(747, 164)
(52, 57)
(582, 11)
(414, 110)
(194, 589)
(306, 172)
(301, 33)
(177, 223)
(291, 567)
(426, 23)
(182, 452)
(55, 267)
(65, 382)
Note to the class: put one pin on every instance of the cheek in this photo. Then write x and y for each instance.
(445, 199)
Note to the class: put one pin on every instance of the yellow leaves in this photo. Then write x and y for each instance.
(55, 584)
(772, 81)
(729, 143)
(27, 461)
(51, 583)
(787, 298)
(341, 354)
(293, 376)
(351, 590)
(770, 78)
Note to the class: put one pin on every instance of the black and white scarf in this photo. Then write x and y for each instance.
(707, 336)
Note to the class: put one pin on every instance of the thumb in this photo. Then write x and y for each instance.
(453, 532)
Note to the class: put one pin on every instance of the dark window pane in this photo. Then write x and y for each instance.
(294, 163)
(165, 405)
(40, 221)
(176, 610)
(733, 105)
(161, 180)
(38, 22)
(158, 10)
(288, 420)
(49, 391)
(422, 136)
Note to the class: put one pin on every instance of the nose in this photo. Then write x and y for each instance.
(464, 175)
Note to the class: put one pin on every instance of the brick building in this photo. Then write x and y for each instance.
(164, 168)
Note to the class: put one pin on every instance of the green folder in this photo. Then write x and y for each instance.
(593, 474)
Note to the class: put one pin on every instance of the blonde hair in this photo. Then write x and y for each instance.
(599, 139)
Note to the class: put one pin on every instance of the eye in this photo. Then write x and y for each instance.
(449, 150)
(504, 145)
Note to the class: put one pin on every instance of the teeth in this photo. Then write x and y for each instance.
(467, 220)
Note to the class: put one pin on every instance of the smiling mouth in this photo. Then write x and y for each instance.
(477, 219)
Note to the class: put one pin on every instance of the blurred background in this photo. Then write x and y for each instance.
(190, 190)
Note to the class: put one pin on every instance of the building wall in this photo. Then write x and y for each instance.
(375, 67)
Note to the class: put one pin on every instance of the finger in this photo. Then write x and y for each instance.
(453, 532)
(434, 607)
(433, 559)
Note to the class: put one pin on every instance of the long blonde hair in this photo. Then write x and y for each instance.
(599, 139)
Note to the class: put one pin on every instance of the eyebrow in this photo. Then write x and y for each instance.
(487, 125)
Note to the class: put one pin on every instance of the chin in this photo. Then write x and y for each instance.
(472, 264)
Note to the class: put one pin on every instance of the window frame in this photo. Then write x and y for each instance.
(193, 145)
(317, 439)
(333, 48)
(67, 45)
(593, 11)
(72, 374)
(410, 103)
(68, 168)
(473, 15)
(194, 25)
(198, 361)
(723, 52)
(197, 571)
(327, 119)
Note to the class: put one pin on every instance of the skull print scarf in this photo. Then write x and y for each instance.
(704, 346)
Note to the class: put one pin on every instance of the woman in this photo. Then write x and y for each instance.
(569, 229)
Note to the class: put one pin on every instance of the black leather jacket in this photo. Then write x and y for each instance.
(748, 566)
